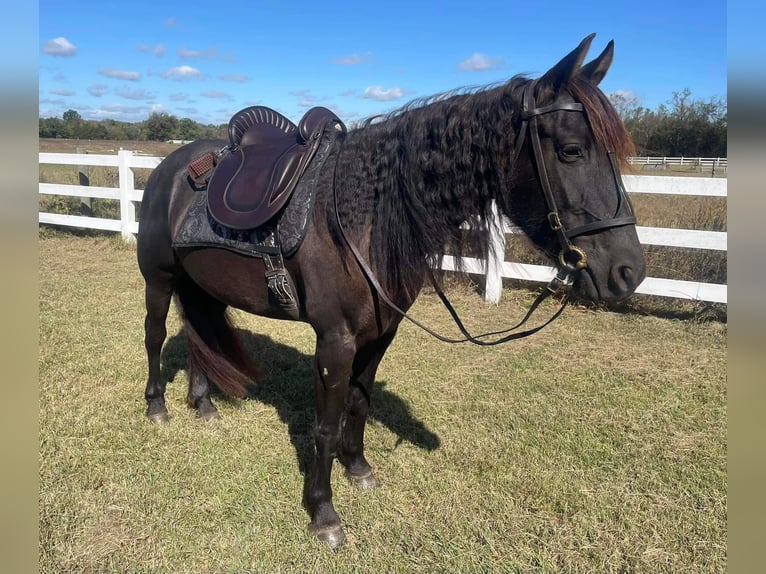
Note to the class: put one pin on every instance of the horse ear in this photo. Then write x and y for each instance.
(596, 69)
(553, 80)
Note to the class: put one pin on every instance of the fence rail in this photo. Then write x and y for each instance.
(698, 164)
(494, 266)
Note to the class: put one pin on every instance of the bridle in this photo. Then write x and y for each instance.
(571, 259)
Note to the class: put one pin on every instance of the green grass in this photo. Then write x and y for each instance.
(597, 445)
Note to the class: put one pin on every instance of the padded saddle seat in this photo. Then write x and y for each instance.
(267, 156)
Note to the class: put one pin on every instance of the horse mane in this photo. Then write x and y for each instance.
(412, 176)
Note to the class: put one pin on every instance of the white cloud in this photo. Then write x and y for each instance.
(120, 112)
(62, 92)
(181, 73)
(120, 74)
(216, 94)
(623, 95)
(178, 97)
(60, 47)
(129, 94)
(307, 102)
(383, 95)
(479, 63)
(189, 111)
(208, 54)
(98, 90)
(158, 50)
(234, 77)
(351, 59)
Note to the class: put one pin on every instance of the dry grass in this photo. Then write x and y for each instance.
(598, 445)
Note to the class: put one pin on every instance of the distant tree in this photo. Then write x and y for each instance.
(51, 128)
(132, 131)
(213, 131)
(683, 127)
(188, 129)
(160, 126)
(91, 130)
(71, 116)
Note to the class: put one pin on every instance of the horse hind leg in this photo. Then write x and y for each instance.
(215, 354)
(199, 394)
(158, 298)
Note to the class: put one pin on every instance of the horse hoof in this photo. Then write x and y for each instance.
(333, 536)
(364, 481)
(158, 418)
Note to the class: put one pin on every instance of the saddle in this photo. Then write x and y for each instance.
(248, 183)
(267, 155)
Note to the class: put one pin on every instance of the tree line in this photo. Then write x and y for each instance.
(159, 126)
(685, 126)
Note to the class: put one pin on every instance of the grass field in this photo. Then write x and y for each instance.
(597, 445)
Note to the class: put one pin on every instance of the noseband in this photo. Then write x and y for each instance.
(571, 258)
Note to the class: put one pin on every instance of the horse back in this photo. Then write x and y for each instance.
(169, 188)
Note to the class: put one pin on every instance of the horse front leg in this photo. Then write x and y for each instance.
(366, 362)
(334, 357)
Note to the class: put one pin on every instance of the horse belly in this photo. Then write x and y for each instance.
(236, 280)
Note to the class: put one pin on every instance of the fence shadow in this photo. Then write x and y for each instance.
(288, 386)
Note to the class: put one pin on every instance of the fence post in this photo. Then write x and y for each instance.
(493, 281)
(83, 175)
(127, 185)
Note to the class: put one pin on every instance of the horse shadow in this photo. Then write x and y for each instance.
(287, 384)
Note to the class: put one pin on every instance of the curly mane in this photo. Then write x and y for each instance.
(412, 176)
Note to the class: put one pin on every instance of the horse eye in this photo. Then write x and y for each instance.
(570, 152)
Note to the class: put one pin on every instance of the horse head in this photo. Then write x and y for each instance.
(568, 193)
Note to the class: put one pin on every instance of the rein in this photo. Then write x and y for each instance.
(572, 259)
(553, 287)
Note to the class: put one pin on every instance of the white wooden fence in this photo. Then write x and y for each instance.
(715, 165)
(494, 266)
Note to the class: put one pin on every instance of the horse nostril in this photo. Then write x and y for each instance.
(621, 279)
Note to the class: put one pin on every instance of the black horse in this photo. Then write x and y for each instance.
(546, 151)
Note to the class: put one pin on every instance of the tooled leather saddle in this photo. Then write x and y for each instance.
(248, 184)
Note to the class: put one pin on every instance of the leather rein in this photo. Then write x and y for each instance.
(571, 259)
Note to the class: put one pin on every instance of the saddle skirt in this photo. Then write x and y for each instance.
(266, 158)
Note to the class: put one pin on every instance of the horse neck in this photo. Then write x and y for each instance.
(413, 178)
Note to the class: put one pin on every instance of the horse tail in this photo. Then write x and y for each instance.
(214, 347)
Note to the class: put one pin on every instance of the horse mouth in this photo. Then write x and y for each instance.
(587, 287)
(584, 287)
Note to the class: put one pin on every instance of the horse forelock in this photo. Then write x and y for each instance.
(608, 129)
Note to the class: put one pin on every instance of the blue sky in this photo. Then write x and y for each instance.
(206, 60)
